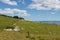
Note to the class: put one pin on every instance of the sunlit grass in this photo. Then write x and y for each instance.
(39, 31)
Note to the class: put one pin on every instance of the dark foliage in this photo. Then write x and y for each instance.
(12, 17)
(18, 17)
(8, 27)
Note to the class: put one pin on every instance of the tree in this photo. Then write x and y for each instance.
(16, 17)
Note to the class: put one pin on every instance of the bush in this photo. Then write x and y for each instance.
(8, 27)
(16, 17)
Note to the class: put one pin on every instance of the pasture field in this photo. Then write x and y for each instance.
(35, 30)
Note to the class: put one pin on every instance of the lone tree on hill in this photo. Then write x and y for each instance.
(18, 17)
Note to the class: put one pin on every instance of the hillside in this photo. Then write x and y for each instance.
(6, 21)
(44, 30)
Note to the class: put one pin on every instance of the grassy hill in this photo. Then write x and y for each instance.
(6, 21)
(37, 31)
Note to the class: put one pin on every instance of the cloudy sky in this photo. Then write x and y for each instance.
(34, 10)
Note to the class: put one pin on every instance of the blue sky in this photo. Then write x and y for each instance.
(34, 10)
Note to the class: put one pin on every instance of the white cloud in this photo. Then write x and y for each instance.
(13, 11)
(22, 2)
(9, 2)
(37, 7)
(44, 4)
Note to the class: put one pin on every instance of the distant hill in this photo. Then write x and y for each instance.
(51, 22)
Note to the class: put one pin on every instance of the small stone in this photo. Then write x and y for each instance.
(16, 28)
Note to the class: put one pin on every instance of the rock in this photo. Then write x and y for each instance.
(16, 28)
(8, 29)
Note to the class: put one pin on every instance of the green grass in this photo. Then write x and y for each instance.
(6, 21)
(37, 30)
